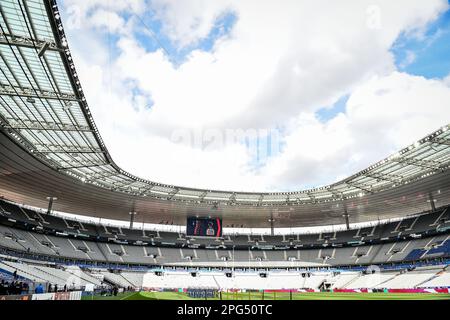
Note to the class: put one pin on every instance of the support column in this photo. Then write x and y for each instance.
(271, 220)
(50, 204)
(346, 215)
(132, 214)
(432, 204)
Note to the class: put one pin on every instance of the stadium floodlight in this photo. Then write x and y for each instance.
(31, 100)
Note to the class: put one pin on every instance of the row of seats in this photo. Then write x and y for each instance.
(73, 277)
(439, 219)
(428, 278)
(69, 277)
(437, 248)
(77, 249)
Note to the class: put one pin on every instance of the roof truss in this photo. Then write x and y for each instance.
(42, 107)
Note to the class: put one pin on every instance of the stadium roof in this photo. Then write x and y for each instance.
(43, 110)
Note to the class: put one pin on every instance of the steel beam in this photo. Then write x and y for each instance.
(26, 92)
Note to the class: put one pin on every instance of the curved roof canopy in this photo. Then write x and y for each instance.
(44, 110)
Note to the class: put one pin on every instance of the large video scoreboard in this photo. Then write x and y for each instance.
(204, 227)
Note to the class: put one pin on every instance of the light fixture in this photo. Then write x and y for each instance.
(31, 100)
(67, 105)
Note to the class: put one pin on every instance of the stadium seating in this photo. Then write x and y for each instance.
(294, 280)
(117, 279)
(425, 223)
(372, 278)
(440, 279)
(408, 279)
(71, 277)
(135, 278)
(343, 279)
(50, 245)
(96, 245)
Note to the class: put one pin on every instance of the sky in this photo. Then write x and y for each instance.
(260, 95)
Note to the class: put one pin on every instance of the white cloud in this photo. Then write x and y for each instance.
(187, 22)
(447, 80)
(408, 60)
(276, 68)
(382, 116)
(93, 15)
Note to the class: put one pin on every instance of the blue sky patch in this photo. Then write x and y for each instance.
(148, 31)
(427, 56)
(151, 37)
(138, 93)
(222, 27)
(326, 114)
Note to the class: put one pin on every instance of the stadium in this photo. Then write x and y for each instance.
(74, 225)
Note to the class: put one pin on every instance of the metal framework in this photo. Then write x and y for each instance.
(43, 108)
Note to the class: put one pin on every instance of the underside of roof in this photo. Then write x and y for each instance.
(44, 111)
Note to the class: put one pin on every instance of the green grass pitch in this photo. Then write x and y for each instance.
(276, 296)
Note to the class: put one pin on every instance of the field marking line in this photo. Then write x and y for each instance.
(131, 294)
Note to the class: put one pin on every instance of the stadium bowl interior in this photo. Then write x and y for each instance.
(383, 229)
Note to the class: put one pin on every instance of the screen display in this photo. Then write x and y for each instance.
(204, 227)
